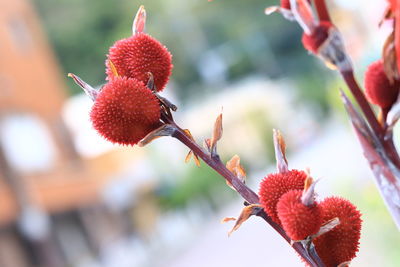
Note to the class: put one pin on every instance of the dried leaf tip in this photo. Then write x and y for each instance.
(308, 196)
(246, 213)
(113, 68)
(280, 152)
(191, 153)
(217, 134)
(228, 219)
(150, 82)
(139, 21)
(89, 90)
(164, 130)
(328, 226)
(389, 58)
(233, 165)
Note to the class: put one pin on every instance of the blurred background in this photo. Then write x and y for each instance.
(68, 198)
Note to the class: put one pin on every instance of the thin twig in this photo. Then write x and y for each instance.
(218, 166)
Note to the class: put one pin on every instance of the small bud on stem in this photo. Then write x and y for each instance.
(139, 21)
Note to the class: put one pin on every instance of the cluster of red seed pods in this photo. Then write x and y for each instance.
(288, 198)
(126, 109)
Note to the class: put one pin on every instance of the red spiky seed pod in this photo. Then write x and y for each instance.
(125, 111)
(274, 185)
(378, 89)
(298, 220)
(313, 41)
(285, 4)
(136, 56)
(341, 243)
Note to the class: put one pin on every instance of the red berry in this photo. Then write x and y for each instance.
(341, 243)
(275, 185)
(125, 111)
(317, 38)
(378, 88)
(136, 56)
(298, 220)
(285, 4)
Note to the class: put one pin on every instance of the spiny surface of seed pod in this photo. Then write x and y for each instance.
(298, 220)
(313, 41)
(139, 55)
(341, 243)
(125, 111)
(274, 185)
(378, 89)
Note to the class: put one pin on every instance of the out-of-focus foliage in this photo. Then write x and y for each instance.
(201, 182)
(213, 43)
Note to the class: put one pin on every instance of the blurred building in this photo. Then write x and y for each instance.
(49, 195)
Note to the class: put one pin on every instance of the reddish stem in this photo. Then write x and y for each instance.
(249, 195)
(355, 89)
(218, 166)
(322, 10)
(359, 96)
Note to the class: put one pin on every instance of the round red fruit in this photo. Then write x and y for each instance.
(341, 243)
(274, 185)
(298, 220)
(125, 111)
(378, 89)
(139, 55)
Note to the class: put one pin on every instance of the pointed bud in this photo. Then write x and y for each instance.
(308, 196)
(275, 185)
(140, 21)
(163, 130)
(280, 151)
(89, 90)
(216, 135)
(246, 213)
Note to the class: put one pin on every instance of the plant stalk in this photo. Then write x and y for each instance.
(366, 109)
(249, 195)
(322, 10)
